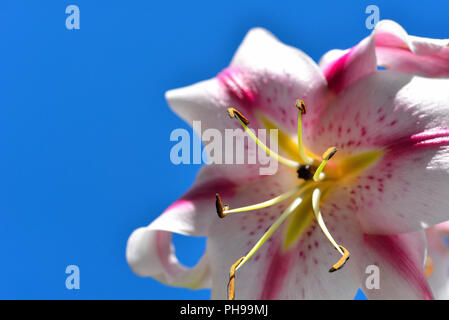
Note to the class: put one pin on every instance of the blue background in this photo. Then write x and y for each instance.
(84, 127)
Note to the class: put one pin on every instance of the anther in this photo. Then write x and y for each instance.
(221, 210)
(301, 106)
(235, 113)
(329, 153)
(340, 263)
(231, 284)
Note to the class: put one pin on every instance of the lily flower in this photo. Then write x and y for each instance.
(363, 168)
(437, 262)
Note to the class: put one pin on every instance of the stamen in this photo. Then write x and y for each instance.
(316, 210)
(326, 157)
(231, 283)
(223, 211)
(302, 153)
(233, 113)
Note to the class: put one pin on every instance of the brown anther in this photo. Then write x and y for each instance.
(220, 208)
(231, 284)
(301, 106)
(329, 153)
(340, 263)
(235, 113)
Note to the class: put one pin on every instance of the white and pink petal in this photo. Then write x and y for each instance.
(406, 119)
(399, 258)
(264, 78)
(345, 67)
(396, 50)
(150, 251)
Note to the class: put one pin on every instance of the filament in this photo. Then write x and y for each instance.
(233, 113)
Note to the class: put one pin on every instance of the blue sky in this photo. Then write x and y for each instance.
(84, 127)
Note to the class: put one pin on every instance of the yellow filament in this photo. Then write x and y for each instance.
(326, 157)
(291, 208)
(267, 203)
(317, 175)
(232, 112)
(302, 153)
(316, 210)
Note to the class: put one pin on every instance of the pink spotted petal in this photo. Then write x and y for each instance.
(407, 118)
(277, 74)
(399, 258)
(272, 273)
(302, 272)
(396, 50)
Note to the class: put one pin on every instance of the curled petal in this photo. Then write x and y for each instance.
(344, 67)
(396, 50)
(150, 253)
